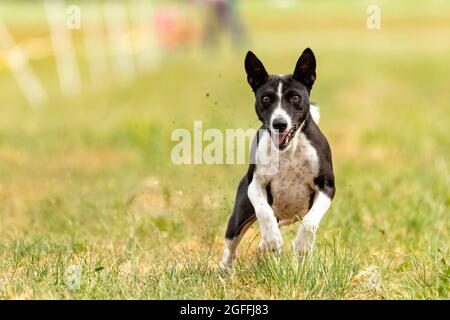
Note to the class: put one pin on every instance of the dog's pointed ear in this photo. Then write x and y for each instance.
(256, 73)
(305, 70)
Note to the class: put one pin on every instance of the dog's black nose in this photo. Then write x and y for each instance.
(279, 124)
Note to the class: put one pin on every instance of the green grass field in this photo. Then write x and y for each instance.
(87, 184)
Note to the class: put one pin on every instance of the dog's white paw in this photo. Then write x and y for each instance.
(304, 242)
(271, 240)
(225, 267)
(228, 256)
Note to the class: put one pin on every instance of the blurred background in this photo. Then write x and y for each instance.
(91, 92)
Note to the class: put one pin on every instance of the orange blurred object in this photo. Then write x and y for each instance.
(173, 28)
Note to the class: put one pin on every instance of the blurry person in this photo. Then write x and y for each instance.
(221, 16)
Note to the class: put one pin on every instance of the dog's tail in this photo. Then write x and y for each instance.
(315, 112)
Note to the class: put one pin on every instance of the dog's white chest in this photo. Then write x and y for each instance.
(293, 185)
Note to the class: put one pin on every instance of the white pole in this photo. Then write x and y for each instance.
(117, 25)
(17, 61)
(69, 76)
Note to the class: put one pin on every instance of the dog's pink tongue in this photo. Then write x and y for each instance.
(281, 137)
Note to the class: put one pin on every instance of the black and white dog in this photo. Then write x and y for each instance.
(302, 186)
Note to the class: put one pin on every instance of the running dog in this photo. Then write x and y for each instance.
(302, 185)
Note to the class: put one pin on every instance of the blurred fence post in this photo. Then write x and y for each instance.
(117, 25)
(147, 50)
(95, 45)
(17, 61)
(69, 76)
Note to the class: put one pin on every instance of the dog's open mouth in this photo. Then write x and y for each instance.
(282, 140)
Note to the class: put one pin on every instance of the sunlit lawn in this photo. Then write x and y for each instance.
(87, 184)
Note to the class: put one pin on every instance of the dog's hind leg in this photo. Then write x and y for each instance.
(231, 245)
(242, 218)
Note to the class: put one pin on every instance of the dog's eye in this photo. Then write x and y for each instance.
(295, 99)
(266, 99)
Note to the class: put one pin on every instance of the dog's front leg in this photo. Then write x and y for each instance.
(307, 232)
(270, 232)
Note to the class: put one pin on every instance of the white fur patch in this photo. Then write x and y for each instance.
(292, 181)
(270, 232)
(293, 185)
(280, 92)
(279, 112)
(315, 113)
(307, 232)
